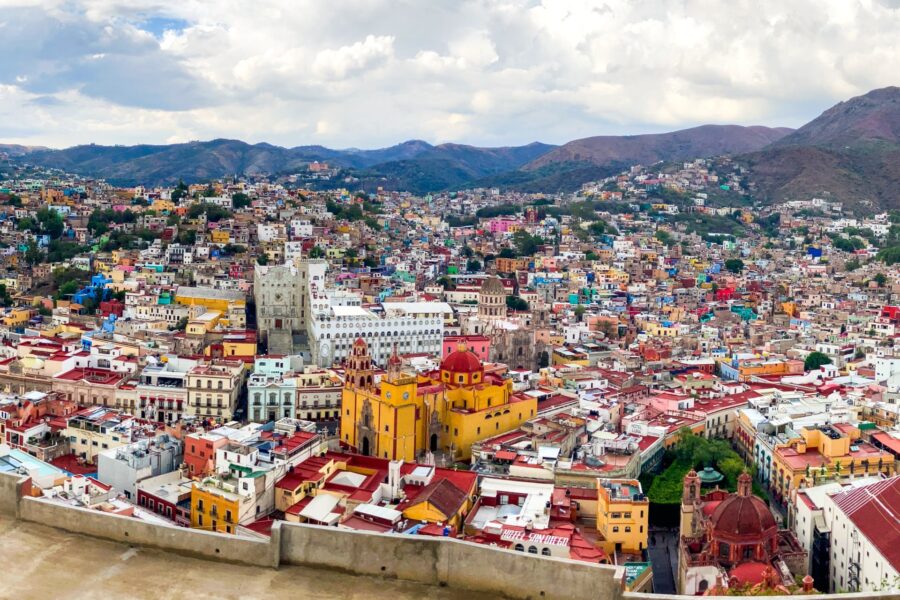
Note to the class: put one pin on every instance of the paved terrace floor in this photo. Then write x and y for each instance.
(41, 562)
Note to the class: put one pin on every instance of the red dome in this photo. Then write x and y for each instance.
(461, 360)
(741, 516)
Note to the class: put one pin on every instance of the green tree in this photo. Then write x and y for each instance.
(473, 265)
(814, 360)
(67, 289)
(240, 200)
(187, 237)
(516, 303)
(34, 255)
(213, 212)
(525, 243)
(27, 224)
(735, 265)
(579, 312)
(880, 279)
(544, 359)
(316, 252)
(180, 191)
(262, 259)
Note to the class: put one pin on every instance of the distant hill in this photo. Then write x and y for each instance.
(18, 149)
(706, 140)
(566, 167)
(414, 165)
(851, 153)
(449, 166)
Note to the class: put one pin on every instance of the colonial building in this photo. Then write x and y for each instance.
(732, 540)
(511, 340)
(404, 416)
(282, 294)
(213, 389)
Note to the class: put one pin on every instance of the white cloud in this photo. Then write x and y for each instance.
(375, 72)
(350, 60)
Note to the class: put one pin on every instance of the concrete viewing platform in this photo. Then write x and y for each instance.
(44, 562)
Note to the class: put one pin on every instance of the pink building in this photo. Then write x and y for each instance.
(480, 345)
(666, 401)
(502, 225)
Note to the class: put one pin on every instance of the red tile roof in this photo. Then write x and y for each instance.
(875, 510)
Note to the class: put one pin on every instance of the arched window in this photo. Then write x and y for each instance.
(545, 552)
(532, 550)
(519, 548)
(703, 585)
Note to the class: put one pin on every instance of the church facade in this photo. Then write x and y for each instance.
(733, 541)
(406, 416)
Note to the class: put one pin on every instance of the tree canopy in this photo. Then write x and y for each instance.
(814, 360)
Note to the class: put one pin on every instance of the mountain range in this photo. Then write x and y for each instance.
(851, 151)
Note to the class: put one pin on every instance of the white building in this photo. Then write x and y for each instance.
(123, 467)
(410, 327)
(864, 527)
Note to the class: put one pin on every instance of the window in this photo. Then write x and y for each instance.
(532, 550)
(519, 548)
(545, 551)
(615, 529)
(627, 529)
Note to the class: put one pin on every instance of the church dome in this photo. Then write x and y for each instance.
(461, 360)
(743, 516)
(492, 286)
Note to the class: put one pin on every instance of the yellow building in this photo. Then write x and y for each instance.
(204, 323)
(406, 415)
(236, 345)
(211, 298)
(623, 514)
(219, 236)
(17, 317)
(93, 433)
(160, 205)
(215, 505)
(441, 502)
(832, 452)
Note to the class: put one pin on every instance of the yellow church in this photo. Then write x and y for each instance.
(406, 415)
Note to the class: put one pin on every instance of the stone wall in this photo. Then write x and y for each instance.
(12, 487)
(446, 561)
(262, 553)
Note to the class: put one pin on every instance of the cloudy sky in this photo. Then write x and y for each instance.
(370, 73)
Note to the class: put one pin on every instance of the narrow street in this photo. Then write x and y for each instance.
(663, 553)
